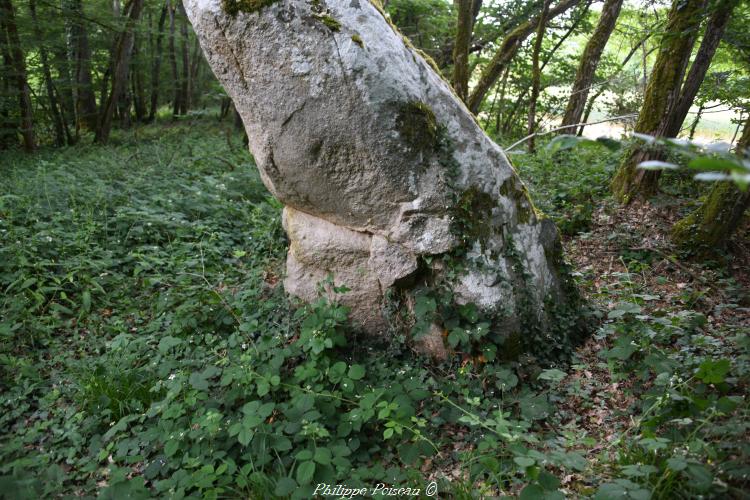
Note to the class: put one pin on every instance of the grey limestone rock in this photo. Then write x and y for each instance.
(378, 163)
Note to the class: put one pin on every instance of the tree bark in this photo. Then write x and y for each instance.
(185, 74)
(662, 93)
(119, 75)
(138, 91)
(507, 51)
(176, 86)
(156, 71)
(18, 64)
(380, 168)
(714, 32)
(589, 62)
(536, 73)
(602, 89)
(8, 126)
(709, 228)
(85, 100)
(464, 29)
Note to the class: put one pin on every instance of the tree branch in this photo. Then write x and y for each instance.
(557, 129)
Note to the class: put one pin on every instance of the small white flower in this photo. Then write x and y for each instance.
(172, 376)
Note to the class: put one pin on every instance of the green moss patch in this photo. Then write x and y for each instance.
(234, 7)
(329, 21)
(472, 216)
(417, 123)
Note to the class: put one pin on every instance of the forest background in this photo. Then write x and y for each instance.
(147, 345)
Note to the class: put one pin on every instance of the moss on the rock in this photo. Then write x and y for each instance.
(472, 216)
(234, 7)
(526, 211)
(417, 123)
(332, 23)
(358, 40)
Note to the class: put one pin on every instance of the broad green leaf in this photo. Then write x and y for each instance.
(356, 372)
(305, 472)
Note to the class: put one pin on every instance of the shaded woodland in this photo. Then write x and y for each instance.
(148, 348)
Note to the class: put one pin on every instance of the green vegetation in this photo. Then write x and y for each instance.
(149, 350)
(234, 7)
(417, 123)
(147, 347)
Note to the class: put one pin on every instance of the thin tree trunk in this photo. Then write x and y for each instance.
(507, 51)
(503, 88)
(185, 75)
(120, 66)
(464, 29)
(589, 108)
(85, 100)
(589, 62)
(661, 95)
(8, 127)
(156, 69)
(139, 94)
(592, 101)
(54, 108)
(710, 227)
(64, 88)
(18, 63)
(536, 73)
(697, 119)
(173, 63)
(714, 32)
(193, 81)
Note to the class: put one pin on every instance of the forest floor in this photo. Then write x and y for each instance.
(148, 349)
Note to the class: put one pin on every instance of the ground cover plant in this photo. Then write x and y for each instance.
(148, 349)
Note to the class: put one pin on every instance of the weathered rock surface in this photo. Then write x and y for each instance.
(377, 161)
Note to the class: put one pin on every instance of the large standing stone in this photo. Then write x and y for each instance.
(379, 165)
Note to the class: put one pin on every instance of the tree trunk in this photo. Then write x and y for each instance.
(536, 73)
(194, 78)
(54, 108)
(120, 65)
(589, 62)
(709, 228)
(714, 32)
(661, 96)
(85, 101)
(8, 127)
(64, 89)
(696, 121)
(185, 75)
(156, 71)
(602, 89)
(18, 64)
(464, 30)
(389, 184)
(139, 93)
(507, 51)
(176, 98)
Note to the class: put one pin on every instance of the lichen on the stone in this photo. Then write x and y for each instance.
(358, 40)
(417, 123)
(234, 7)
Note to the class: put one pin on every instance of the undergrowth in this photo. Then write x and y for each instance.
(148, 350)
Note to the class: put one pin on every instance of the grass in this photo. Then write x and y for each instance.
(148, 349)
